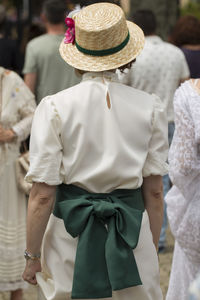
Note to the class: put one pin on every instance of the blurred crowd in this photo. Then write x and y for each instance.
(33, 69)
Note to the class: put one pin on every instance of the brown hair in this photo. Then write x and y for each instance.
(122, 68)
(126, 66)
(186, 31)
(55, 11)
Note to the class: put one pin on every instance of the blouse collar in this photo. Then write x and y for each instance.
(100, 76)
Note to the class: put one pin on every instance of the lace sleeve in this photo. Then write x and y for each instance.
(183, 151)
(26, 108)
(195, 111)
(183, 203)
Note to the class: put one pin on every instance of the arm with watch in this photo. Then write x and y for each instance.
(40, 206)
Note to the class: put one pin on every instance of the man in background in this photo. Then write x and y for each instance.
(44, 70)
(159, 69)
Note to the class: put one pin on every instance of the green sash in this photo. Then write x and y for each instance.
(108, 227)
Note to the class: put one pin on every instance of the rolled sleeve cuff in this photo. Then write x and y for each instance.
(44, 170)
(155, 166)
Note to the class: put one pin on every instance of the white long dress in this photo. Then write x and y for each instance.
(183, 200)
(76, 139)
(18, 106)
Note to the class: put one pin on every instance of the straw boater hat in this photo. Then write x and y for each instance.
(102, 39)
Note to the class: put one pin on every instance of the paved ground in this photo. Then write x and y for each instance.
(165, 264)
(165, 260)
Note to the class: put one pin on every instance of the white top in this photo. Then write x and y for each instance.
(158, 69)
(184, 155)
(77, 139)
(18, 106)
(183, 205)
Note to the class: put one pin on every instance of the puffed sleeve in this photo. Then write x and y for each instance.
(155, 163)
(45, 145)
(26, 107)
(194, 105)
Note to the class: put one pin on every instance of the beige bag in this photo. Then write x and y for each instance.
(22, 166)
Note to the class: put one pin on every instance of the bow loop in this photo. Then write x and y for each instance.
(126, 223)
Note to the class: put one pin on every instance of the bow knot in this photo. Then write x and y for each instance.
(104, 257)
(103, 209)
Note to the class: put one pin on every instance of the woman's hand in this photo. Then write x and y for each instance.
(40, 204)
(32, 267)
(6, 135)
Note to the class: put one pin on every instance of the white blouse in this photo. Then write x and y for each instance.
(183, 199)
(18, 104)
(158, 69)
(77, 139)
(184, 161)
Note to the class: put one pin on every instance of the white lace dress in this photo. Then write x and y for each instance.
(183, 200)
(18, 106)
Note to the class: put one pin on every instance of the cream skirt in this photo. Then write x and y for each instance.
(58, 256)
(13, 205)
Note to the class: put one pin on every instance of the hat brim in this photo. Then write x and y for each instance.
(85, 62)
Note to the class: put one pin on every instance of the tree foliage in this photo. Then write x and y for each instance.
(192, 8)
(15, 3)
(166, 12)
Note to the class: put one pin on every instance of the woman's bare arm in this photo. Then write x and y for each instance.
(40, 206)
(152, 189)
(30, 80)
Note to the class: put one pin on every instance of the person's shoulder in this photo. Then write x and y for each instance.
(130, 89)
(133, 93)
(37, 41)
(172, 49)
(184, 91)
(11, 75)
(13, 80)
(64, 95)
(190, 88)
(186, 86)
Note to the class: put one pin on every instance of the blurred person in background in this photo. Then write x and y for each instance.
(9, 54)
(44, 71)
(159, 69)
(31, 31)
(17, 106)
(186, 35)
(183, 205)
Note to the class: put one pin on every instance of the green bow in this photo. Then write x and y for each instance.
(108, 227)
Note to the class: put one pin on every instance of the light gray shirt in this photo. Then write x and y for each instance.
(158, 69)
(43, 58)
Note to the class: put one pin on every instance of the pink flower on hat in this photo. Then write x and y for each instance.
(70, 33)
